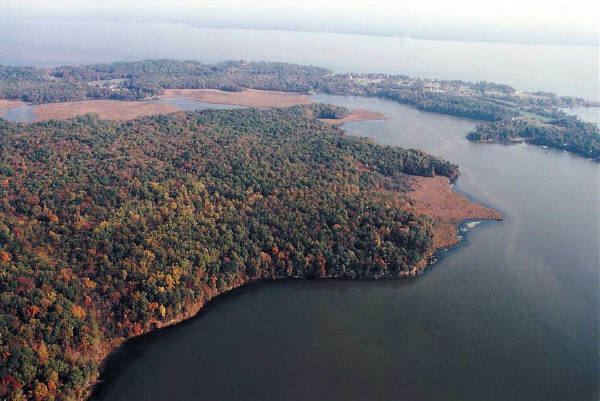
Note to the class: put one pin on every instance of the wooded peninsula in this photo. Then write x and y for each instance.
(110, 229)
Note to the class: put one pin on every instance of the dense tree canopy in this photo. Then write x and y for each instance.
(562, 132)
(108, 229)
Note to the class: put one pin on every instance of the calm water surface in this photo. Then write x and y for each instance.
(510, 314)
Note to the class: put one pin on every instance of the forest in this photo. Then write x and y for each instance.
(110, 229)
(143, 79)
(495, 104)
(561, 132)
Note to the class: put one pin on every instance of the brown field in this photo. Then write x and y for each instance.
(126, 110)
(355, 115)
(106, 109)
(434, 196)
(247, 97)
(6, 104)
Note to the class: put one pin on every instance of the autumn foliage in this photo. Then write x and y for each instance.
(109, 229)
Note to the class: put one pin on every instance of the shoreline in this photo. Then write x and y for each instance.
(435, 197)
(114, 355)
(110, 353)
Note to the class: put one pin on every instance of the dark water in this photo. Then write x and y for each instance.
(512, 313)
(565, 70)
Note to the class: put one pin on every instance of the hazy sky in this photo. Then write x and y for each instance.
(559, 22)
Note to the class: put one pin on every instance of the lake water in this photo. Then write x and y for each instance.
(509, 314)
(565, 70)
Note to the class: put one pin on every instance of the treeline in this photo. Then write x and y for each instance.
(452, 105)
(143, 79)
(108, 229)
(565, 132)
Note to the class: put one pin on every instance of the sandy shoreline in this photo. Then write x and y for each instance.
(431, 196)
